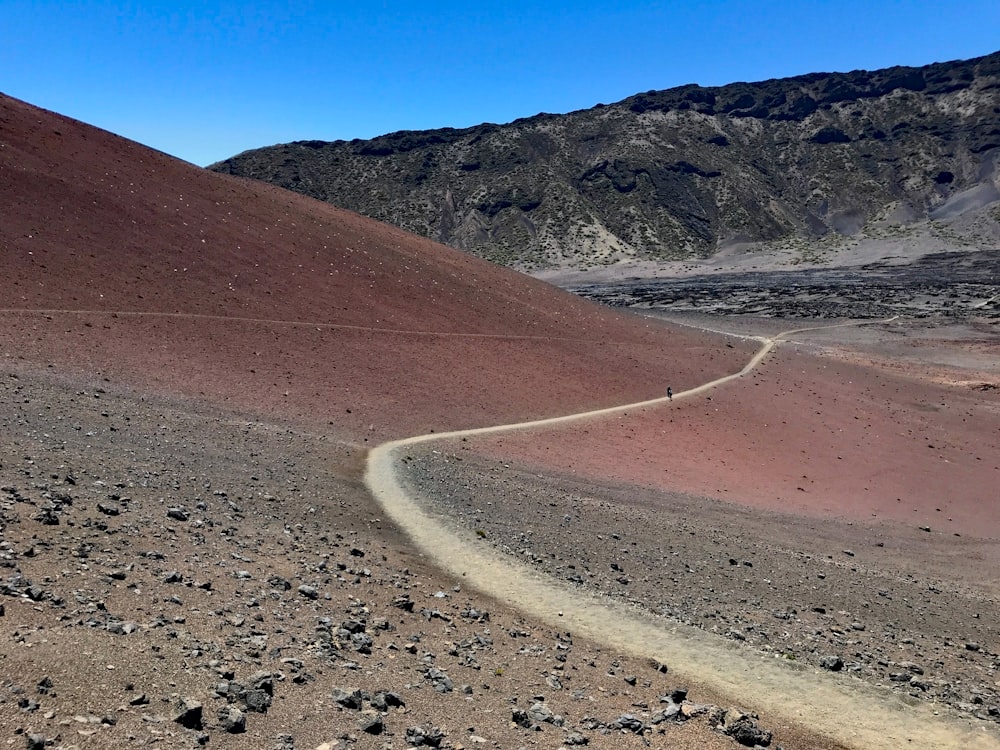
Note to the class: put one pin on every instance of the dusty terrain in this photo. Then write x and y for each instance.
(159, 550)
(830, 567)
(193, 368)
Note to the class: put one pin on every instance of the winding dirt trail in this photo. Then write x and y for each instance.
(837, 706)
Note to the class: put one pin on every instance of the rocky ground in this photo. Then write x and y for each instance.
(175, 575)
(836, 596)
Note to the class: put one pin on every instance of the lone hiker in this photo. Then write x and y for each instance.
(670, 393)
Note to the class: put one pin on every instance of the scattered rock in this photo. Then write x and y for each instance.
(744, 729)
(832, 663)
(177, 514)
(372, 725)
(188, 713)
(309, 592)
(539, 712)
(439, 680)
(429, 736)
(383, 701)
(232, 720)
(351, 700)
(629, 723)
(520, 717)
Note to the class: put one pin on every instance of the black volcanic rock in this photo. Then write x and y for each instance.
(670, 174)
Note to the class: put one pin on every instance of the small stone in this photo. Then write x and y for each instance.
(540, 712)
(521, 718)
(372, 725)
(309, 592)
(832, 663)
(232, 720)
(403, 602)
(744, 729)
(393, 700)
(672, 711)
(690, 710)
(177, 513)
(439, 680)
(189, 713)
(430, 736)
(347, 699)
(629, 722)
(256, 700)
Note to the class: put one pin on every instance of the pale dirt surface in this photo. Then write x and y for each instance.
(888, 245)
(748, 577)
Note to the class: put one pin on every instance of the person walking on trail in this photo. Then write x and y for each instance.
(670, 393)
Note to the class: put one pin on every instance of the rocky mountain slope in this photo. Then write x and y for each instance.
(676, 173)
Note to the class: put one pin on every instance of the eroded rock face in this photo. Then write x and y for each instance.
(672, 173)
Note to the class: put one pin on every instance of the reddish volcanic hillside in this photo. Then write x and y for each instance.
(831, 438)
(127, 262)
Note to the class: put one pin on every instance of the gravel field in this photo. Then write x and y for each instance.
(176, 575)
(891, 604)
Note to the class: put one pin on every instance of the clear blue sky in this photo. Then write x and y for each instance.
(206, 80)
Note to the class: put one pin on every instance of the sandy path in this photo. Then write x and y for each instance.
(840, 707)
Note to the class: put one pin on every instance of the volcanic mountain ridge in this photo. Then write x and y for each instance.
(679, 173)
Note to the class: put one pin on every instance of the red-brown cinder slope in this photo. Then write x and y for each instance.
(806, 435)
(123, 261)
